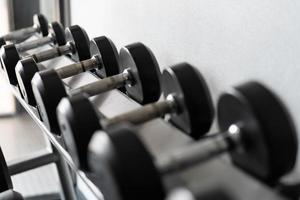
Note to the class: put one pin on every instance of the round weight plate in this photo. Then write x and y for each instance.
(25, 70)
(48, 90)
(77, 35)
(10, 195)
(269, 142)
(196, 110)
(2, 42)
(78, 121)
(5, 180)
(119, 152)
(9, 59)
(107, 51)
(144, 70)
(57, 30)
(41, 21)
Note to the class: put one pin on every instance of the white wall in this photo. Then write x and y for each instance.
(229, 41)
(50, 9)
(7, 102)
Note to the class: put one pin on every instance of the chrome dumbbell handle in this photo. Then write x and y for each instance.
(145, 113)
(24, 46)
(200, 151)
(21, 33)
(53, 53)
(104, 85)
(79, 67)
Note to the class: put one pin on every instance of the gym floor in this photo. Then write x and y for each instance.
(19, 137)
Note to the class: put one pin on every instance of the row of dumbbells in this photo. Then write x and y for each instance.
(256, 128)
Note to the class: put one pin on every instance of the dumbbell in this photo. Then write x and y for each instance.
(77, 45)
(32, 162)
(257, 132)
(187, 101)
(40, 25)
(138, 72)
(104, 58)
(10, 195)
(11, 53)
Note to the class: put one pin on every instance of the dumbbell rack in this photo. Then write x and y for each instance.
(65, 163)
(160, 137)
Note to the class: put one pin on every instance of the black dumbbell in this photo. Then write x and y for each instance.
(256, 131)
(21, 166)
(104, 58)
(40, 25)
(187, 101)
(10, 53)
(10, 195)
(77, 45)
(138, 72)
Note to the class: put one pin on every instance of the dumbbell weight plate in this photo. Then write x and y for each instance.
(9, 58)
(104, 47)
(2, 42)
(270, 147)
(5, 180)
(42, 22)
(129, 163)
(145, 71)
(10, 195)
(187, 84)
(43, 82)
(25, 70)
(78, 125)
(81, 41)
(57, 30)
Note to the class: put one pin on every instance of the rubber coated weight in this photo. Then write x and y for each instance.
(57, 30)
(5, 180)
(25, 70)
(40, 25)
(80, 118)
(105, 48)
(2, 42)
(145, 71)
(10, 195)
(9, 58)
(132, 169)
(41, 21)
(76, 35)
(196, 108)
(268, 134)
(43, 82)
